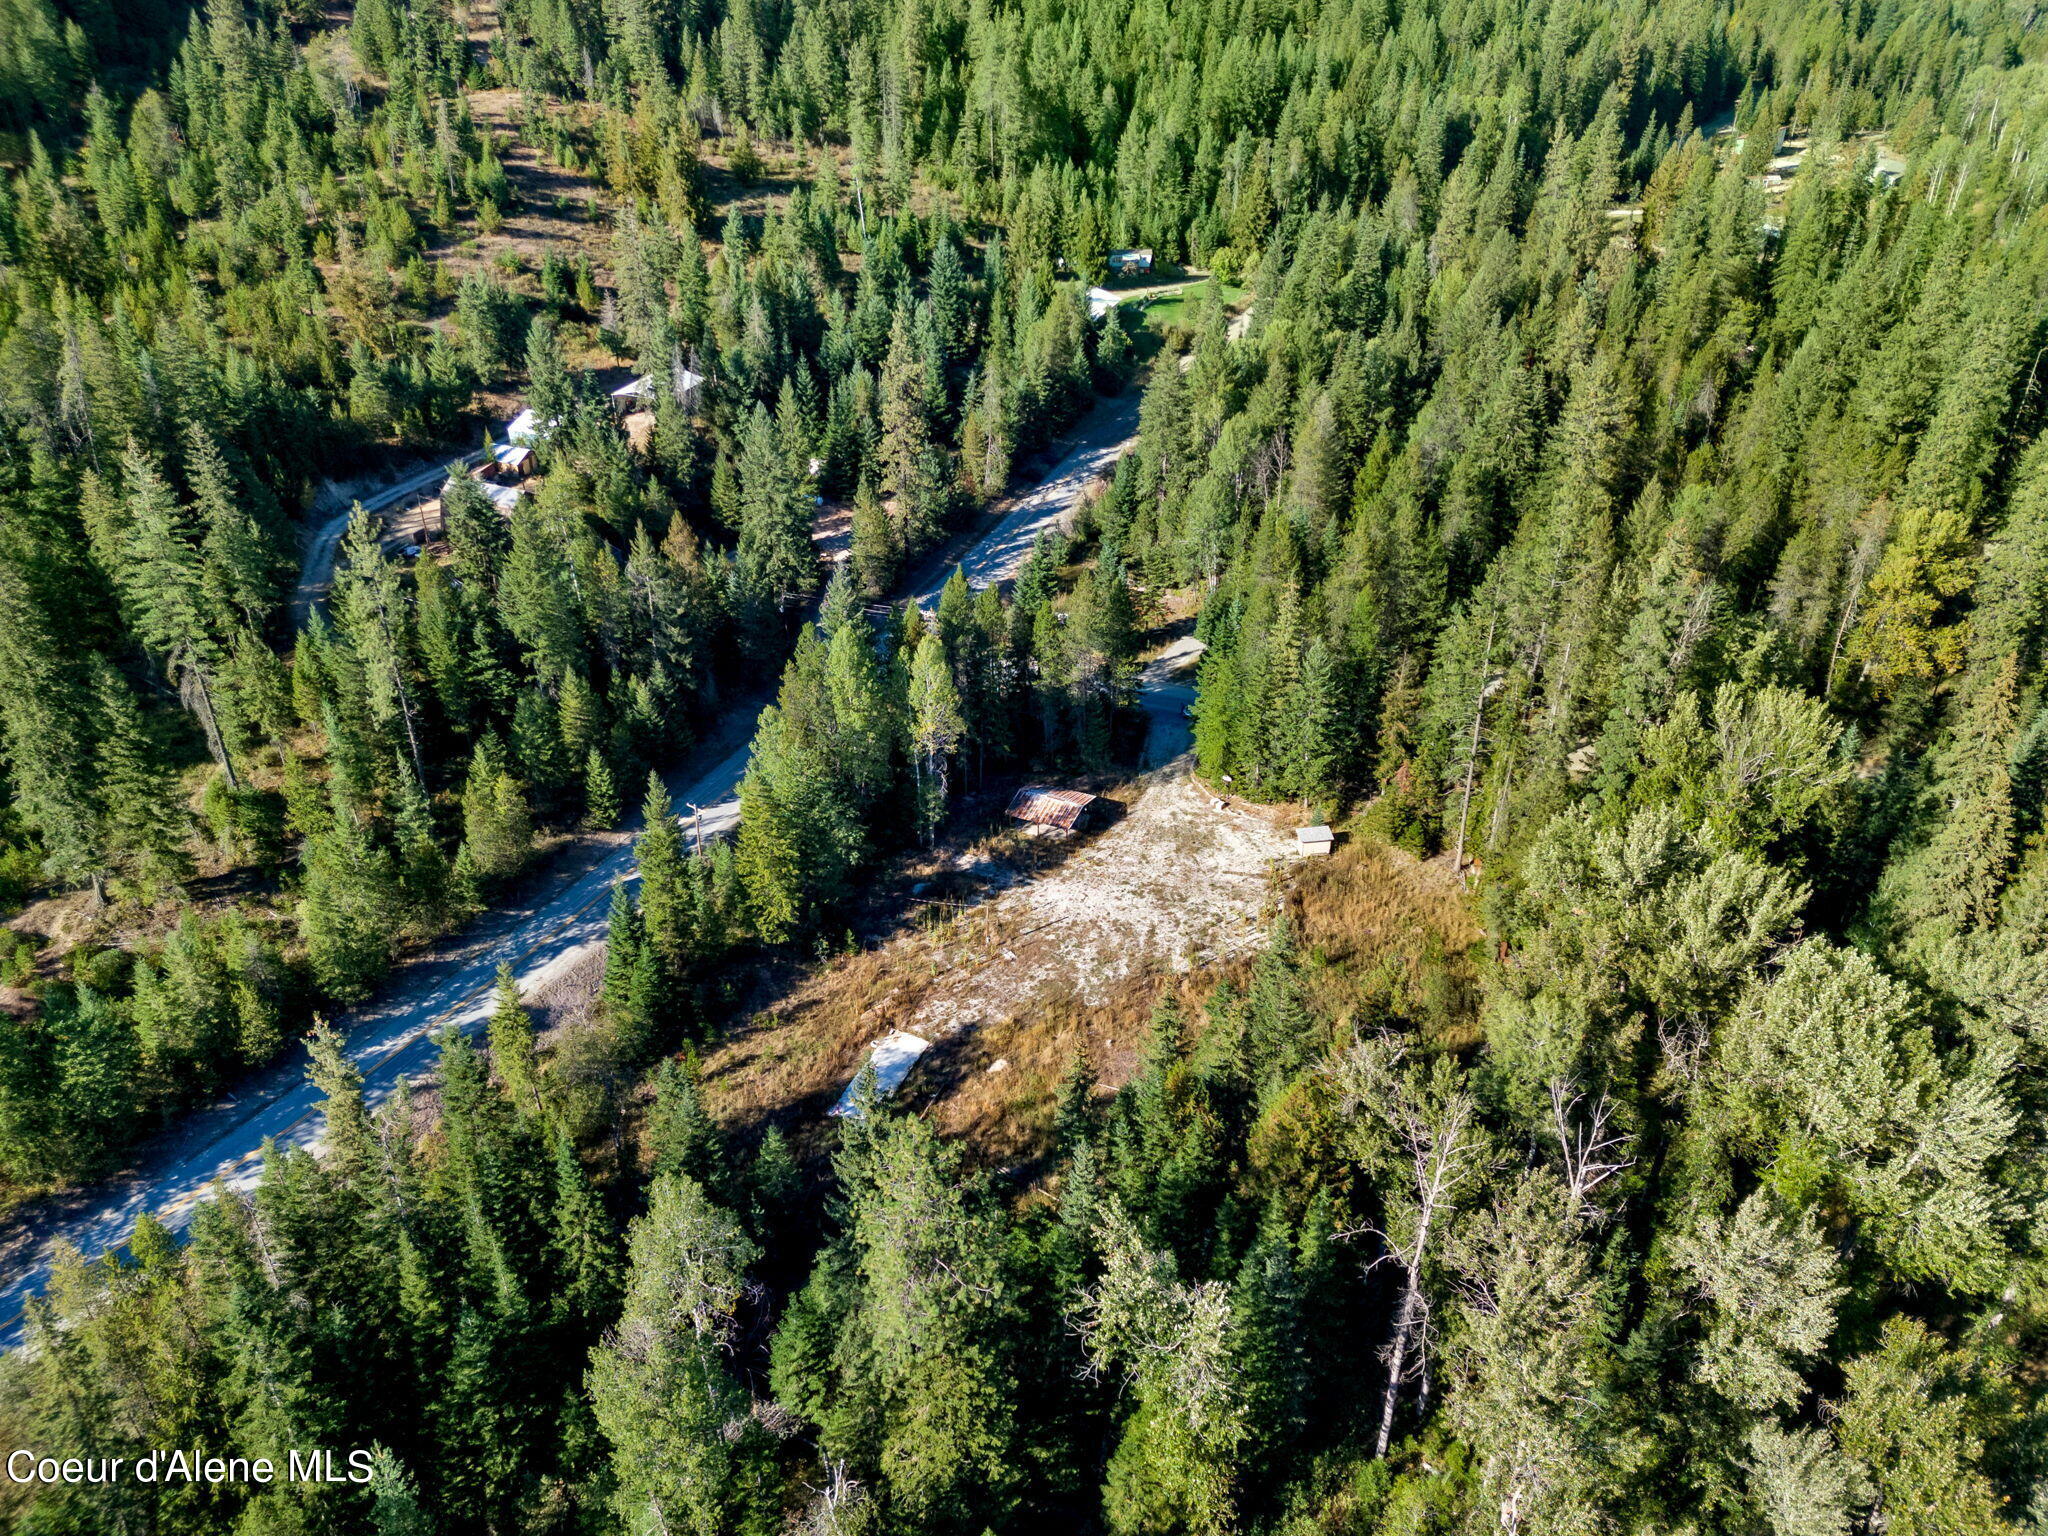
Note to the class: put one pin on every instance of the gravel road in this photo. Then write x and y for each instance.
(323, 540)
(559, 924)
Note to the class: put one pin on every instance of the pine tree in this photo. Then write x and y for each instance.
(1326, 727)
(665, 906)
(143, 826)
(1953, 883)
(1175, 1460)
(907, 435)
(544, 760)
(163, 587)
(375, 621)
(348, 908)
(681, 1134)
(513, 1054)
(1770, 1281)
(583, 1241)
(946, 284)
(1267, 1309)
(935, 729)
(659, 1383)
(497, 827)
(1073, 1120)
(44, 716)
(1799, 1480)
(1279, 1034)
(775, 1182)
(600, 792)
(933, 1383)
(874, 554)
(397, 1509)
(579, 717)
(1527, 1357)
(423, 871)
(623, 943)
(550, 392)
(1901, 634)
(864, 720)
(1906, 1424)
(478, 538)
(771, 861)
(774, 514)
(240, 567)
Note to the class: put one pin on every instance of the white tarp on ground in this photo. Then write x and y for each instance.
(892, 1058)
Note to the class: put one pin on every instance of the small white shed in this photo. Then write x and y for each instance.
(528, 429)
(1314, 842)
(638, 394)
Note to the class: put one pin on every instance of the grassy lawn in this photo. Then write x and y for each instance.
(1168, 309)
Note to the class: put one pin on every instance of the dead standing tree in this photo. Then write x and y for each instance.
(1591, 1149)
(1418, 1123)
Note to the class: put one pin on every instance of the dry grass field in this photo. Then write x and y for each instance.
(1009, 986)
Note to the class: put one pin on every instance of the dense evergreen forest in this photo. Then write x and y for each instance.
(1644, 535)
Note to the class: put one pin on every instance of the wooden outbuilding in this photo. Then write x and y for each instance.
(1071, 810)
(509, 462)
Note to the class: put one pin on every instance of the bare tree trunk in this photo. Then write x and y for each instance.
(1433, 1121)
(215, 743)
(1472, 752)
(1465, 798)
(1397, 1357)
(412, 736)
(1851, 609)
(1500, 803)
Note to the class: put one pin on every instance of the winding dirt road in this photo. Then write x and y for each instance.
(556, 927)
(323, 540)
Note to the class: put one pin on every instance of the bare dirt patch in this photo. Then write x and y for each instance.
(557, 209)
(1177, 881)
(1021, 949)
(565, 999)
(832, 531)
(1066, 950)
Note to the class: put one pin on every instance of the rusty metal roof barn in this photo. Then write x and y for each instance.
(1068, 808)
